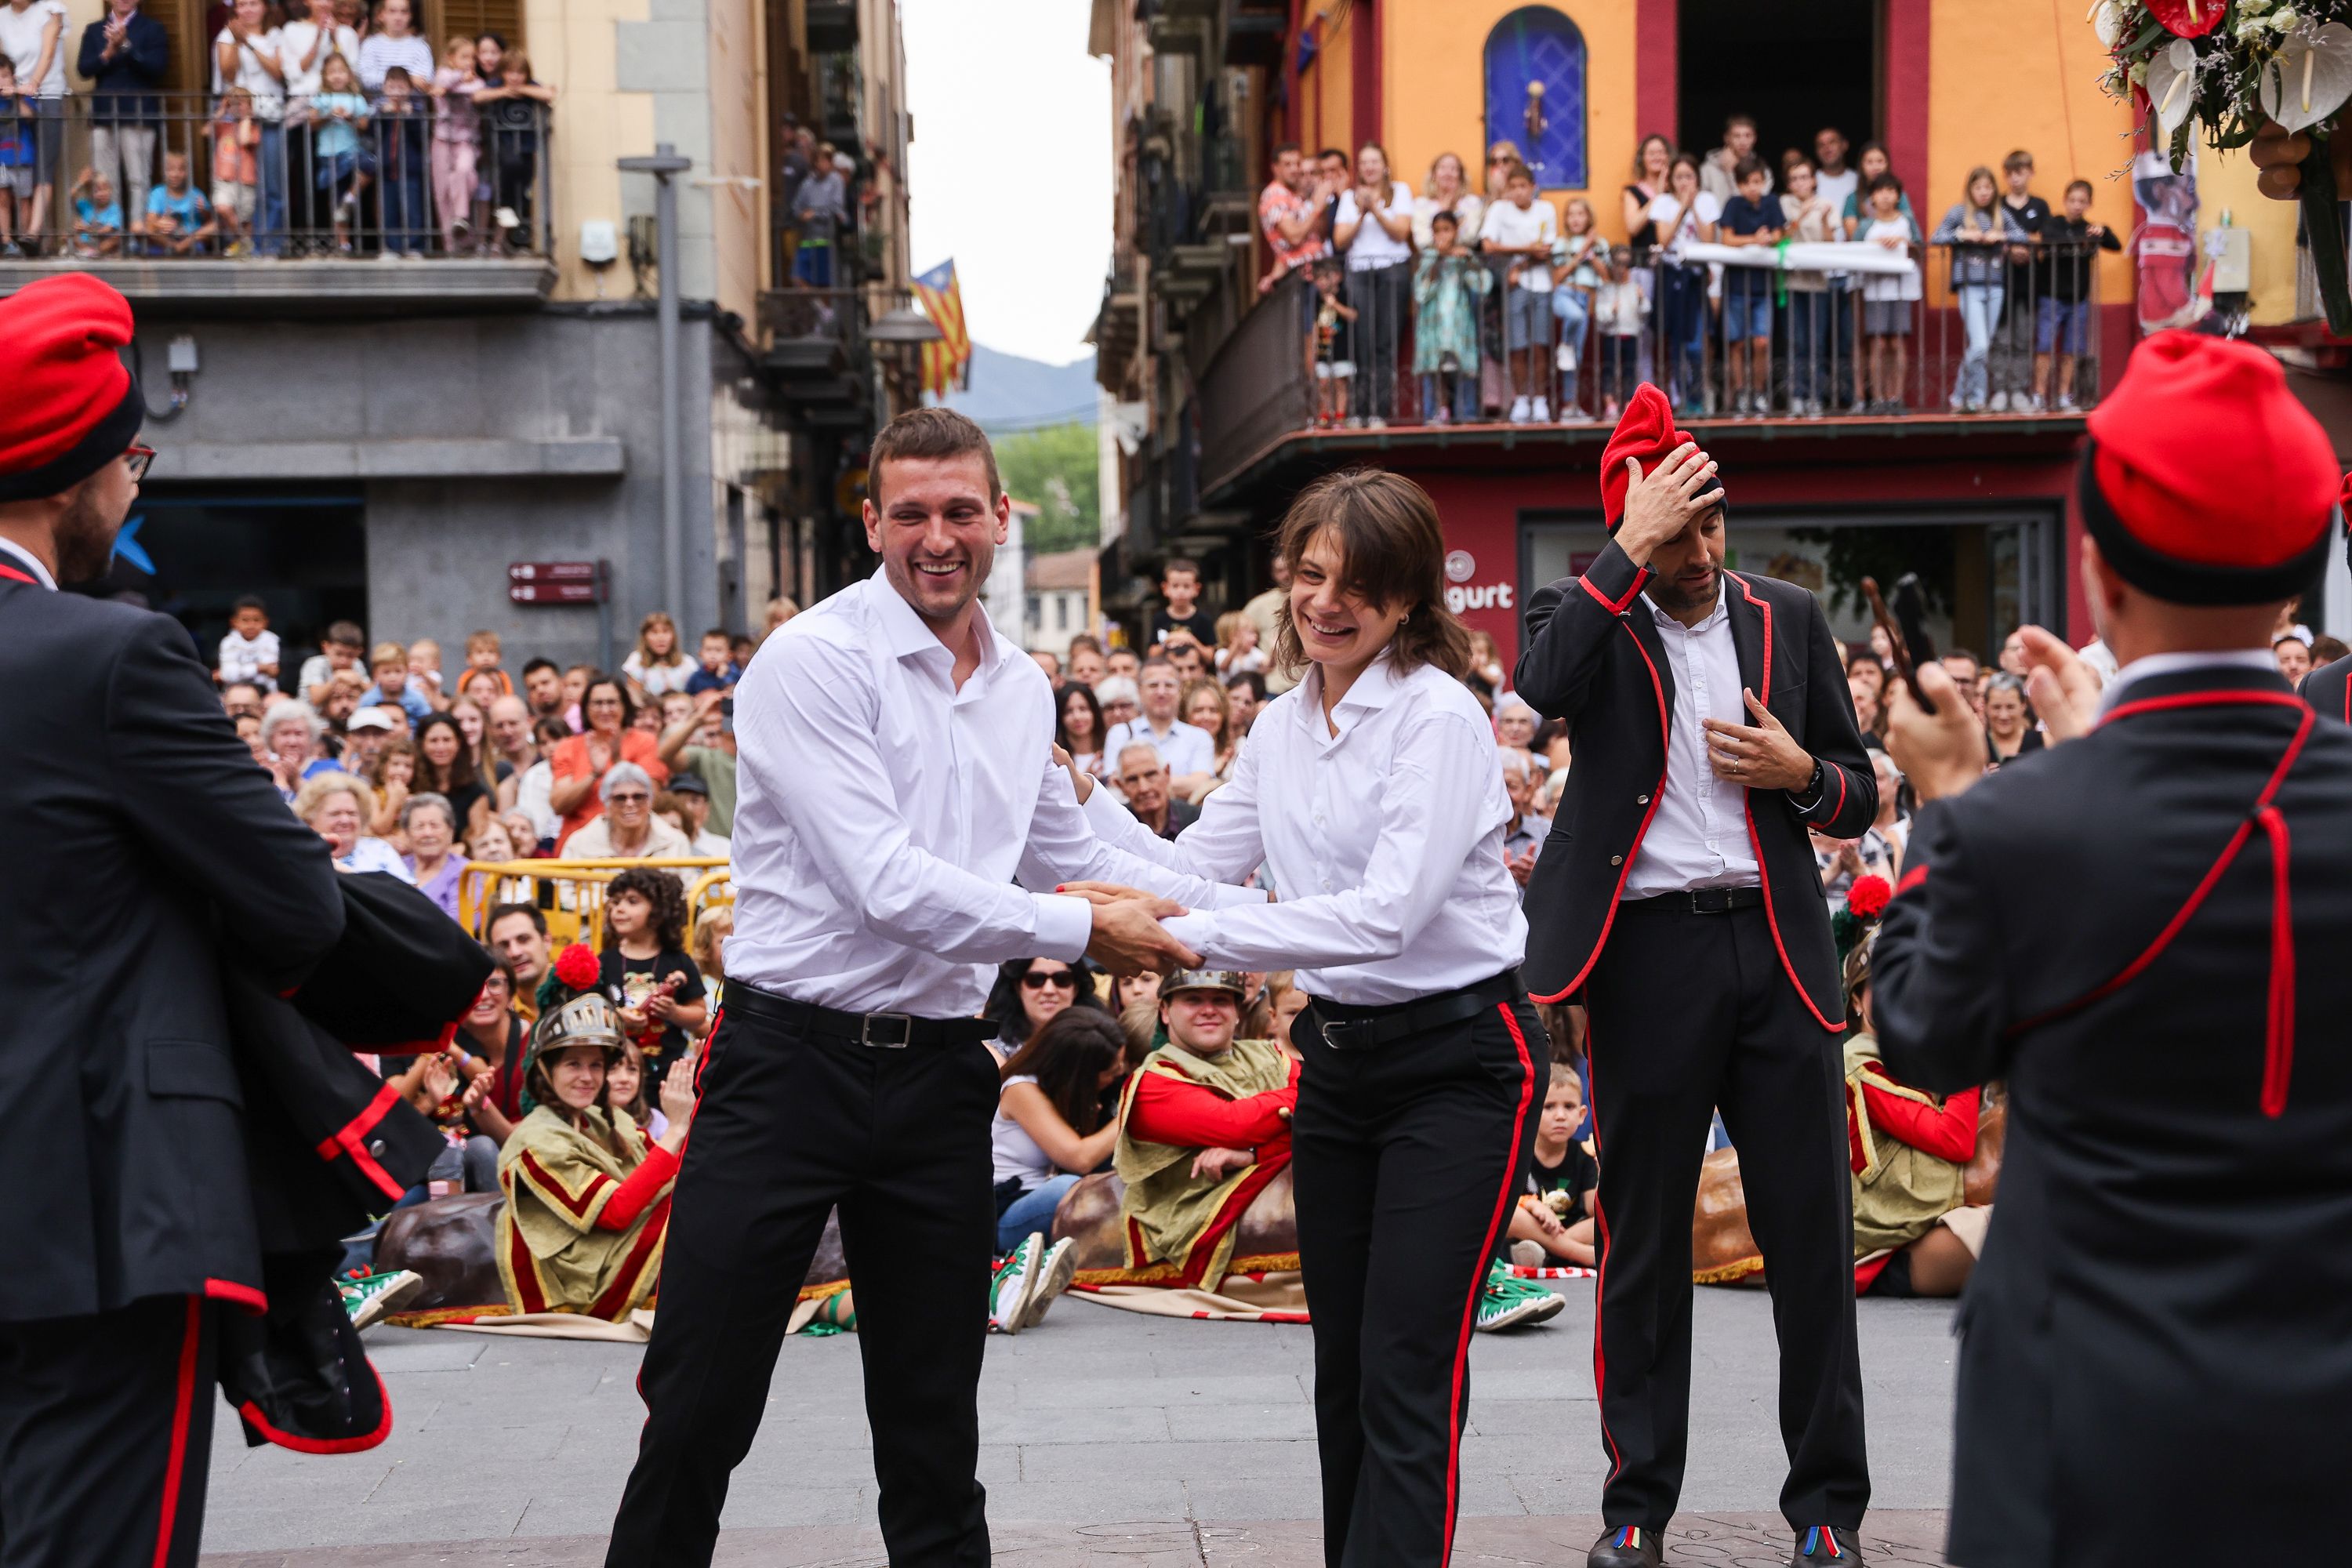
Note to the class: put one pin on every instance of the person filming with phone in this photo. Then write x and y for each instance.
(1678, 893)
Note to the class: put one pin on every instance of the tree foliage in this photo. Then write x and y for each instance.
(1055, 470)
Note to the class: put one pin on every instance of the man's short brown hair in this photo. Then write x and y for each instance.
(930, 434)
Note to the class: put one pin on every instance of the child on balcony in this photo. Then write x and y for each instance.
(401, 135)
(1749, 219)
(2063, 314)
(1977, 229)
(98, 217)
(456, 142)
(1620, 308)
(1520, 229)
(236, 170)
(19, 150)
(345, 166)
(1448, 281)
(512, 120)
(1573, 278)
(1810, 220)
(179, 219)
(1333, 368)
(1888, 299)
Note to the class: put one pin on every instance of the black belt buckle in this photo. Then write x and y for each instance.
(905, 1023)
(1711, 901)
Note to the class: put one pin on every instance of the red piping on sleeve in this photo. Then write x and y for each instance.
(1911, 879)
(244, 1296)
(1657, 794)
(348, 1140)
(2278, 1039)
(1618, 606)
(365, 1440)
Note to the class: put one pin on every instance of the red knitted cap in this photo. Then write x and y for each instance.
(1646, 432)
(2207, 480)
(72, 405)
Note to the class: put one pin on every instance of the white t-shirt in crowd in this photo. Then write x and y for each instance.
(375, 855)
(531, 798)
(1374, 244)
(659, 680)
(241, 659)
(1890, 285)
(1015, 1154)
(1507, 223)
(1836, 188)
(295, 40)
(1673, 230)
(1467, 210)
(379, 52)
(268, 92)
(20, 40)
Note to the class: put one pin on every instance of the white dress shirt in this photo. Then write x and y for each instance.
(883, 815)
(1386, 840)
(27, 562)
(2140, 669)
(1699, 837)
(1185, 748)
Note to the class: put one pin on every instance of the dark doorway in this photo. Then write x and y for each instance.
(1793, 65)
(305, 554)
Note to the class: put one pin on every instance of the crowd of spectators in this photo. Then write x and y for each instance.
(328, 128)
(1472, 302)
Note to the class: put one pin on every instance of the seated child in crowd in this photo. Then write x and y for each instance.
(720, 672)
(179, 221)
(98, 217)
(1553, 1222)
(645, 970)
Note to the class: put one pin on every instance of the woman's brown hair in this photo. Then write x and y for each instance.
(1392, 550)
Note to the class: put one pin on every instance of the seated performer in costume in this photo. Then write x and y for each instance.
(1206, 1125)
(1913, 1234)
(587, 1192)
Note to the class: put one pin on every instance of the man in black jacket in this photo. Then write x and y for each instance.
(2141, 932)
(142, 845)
(1677, 890)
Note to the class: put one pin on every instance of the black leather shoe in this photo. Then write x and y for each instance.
(1827, 1543)
(1628, 1546)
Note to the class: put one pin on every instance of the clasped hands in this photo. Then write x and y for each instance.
(1128, 937)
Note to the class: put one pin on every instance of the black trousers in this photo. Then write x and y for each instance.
(106, 1434)
(1690, 1012)
(1402, 1157)
(789, 1126)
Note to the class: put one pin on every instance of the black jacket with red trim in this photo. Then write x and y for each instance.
(2143, 932)
(2329, 689)
(1594, 658)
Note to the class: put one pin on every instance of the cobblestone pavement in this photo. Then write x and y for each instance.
(1107, 1438)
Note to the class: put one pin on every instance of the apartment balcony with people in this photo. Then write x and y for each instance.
(342, 202)
(1467, 344)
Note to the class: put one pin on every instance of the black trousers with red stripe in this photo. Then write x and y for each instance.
(1404, 1155)
(791, 1126)
(1691, 1013)
(106, 1434)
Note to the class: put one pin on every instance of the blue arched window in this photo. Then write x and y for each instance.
(1535, 45)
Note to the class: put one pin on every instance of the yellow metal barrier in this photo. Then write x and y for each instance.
(571, 893)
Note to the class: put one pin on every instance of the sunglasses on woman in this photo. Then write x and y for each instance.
(1038, 979)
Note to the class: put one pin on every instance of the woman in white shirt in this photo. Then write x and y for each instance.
(1447, 190)
(1374, 229)
(245, 54)
(336, 807)
(1372, 792)
(1682, 214)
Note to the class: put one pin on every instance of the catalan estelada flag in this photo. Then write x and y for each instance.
(947, 363)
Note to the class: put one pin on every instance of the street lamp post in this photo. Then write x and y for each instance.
(664, 166)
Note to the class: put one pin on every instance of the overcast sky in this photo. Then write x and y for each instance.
(1010, 172)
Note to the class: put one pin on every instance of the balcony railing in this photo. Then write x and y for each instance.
(178, 179)
(1453, 341)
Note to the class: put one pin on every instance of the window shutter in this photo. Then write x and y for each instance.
(475, 17)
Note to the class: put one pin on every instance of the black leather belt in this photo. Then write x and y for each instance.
(890, 1031)
(1696, 901)
(1357, 1029)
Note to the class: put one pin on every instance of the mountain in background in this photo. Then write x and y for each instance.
(1011, 393)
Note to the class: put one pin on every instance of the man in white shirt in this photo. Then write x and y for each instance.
(1187, 749)
(895, 775)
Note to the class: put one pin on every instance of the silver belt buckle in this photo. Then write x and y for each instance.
(906, 1022)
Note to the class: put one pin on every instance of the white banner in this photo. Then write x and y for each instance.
(1834, 255)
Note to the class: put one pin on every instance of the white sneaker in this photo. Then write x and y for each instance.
(1016, 1282)
(2029, 404)
(1054, 1276)
(2065, 404)
(1519, 411)
(2000, 403)
(1564, 356)
(1542, 414)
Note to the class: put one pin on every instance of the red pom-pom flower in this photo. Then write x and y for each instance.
(1867, 898)
(578, 967)
(2188, 18)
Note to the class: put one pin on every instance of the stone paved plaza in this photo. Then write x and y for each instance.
(1107, 1438)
